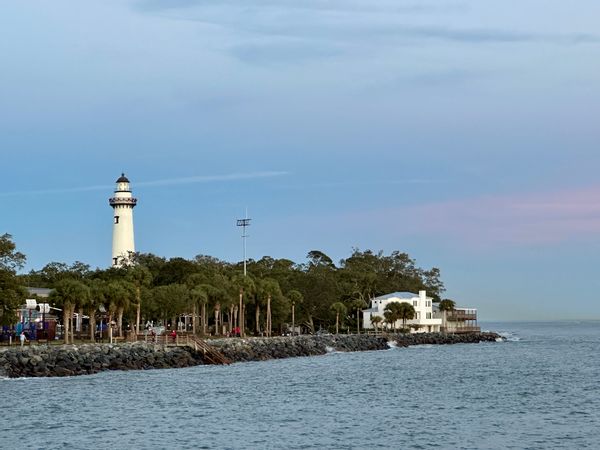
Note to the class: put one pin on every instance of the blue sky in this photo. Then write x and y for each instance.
(462, 132)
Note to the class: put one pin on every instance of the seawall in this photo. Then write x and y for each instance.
(70, 360)
(261, 349)
(86, 359)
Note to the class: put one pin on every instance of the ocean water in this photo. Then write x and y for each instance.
(539, 389)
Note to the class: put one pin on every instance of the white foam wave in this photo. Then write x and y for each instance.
(508, 336)
(329, 349)
(392, 344)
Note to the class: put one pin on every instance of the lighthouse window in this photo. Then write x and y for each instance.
(116, 219)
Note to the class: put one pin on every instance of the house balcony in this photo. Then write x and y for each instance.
(460, 316)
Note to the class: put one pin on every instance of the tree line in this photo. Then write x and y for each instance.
(315, 294)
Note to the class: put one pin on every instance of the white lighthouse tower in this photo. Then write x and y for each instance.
(122, 203)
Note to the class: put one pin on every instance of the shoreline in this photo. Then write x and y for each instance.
(87, 359)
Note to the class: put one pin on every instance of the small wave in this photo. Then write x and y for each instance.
(19, 379)
(508, 336)
(392, 344)
(329, 349)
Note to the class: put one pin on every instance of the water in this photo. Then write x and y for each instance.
(538, 390)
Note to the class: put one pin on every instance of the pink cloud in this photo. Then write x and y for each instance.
(530, 218)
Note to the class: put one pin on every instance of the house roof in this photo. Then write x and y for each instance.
(402, 295)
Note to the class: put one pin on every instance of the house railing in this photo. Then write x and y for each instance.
(456, 316)
(211, 354)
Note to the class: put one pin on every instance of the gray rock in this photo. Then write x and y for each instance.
(43, 361)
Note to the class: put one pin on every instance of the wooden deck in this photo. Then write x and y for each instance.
(211, 354)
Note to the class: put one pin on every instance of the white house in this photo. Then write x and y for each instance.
(423, 322)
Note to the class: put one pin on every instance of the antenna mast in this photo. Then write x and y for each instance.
(244, 223)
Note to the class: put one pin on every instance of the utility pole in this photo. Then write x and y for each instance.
(244, 223)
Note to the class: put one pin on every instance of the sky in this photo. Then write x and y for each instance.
(462, 132)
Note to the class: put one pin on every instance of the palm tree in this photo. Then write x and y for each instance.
(203, 291)
(123, 303)
(170, 301)
(217, 311)
(376, 320)
(141, 277)
(267, 289)
(198, 296)
(229, 302)
(395, 311)
(245, 286)
(117, 298)
(69, 293)
(406, 311)
(445, 306)
(96, 298)
(259, 300)
(358, 304)
(391, 317)
(214, 294)
(391, 313)
(295, 298)
(339, 308)
(218, 298)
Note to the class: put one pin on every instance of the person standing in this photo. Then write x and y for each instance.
(22, 338)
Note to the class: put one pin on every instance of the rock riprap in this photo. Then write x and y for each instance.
(404, 340)
(69, 360)
(261, 349)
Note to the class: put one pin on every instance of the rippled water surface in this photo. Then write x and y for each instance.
(538, 390)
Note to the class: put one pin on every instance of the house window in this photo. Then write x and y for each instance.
(115, 260)
(429, 315)
(116, 219)
(415, 303)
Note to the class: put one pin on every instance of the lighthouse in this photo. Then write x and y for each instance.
(122, 204)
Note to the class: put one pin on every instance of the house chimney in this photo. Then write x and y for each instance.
(422, 296)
